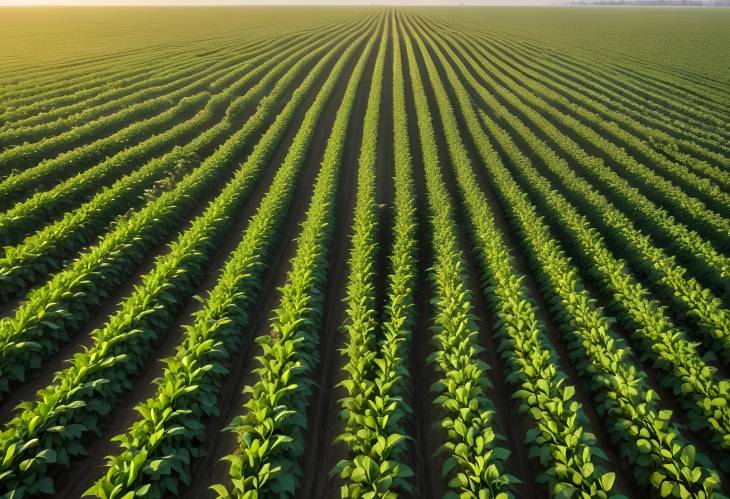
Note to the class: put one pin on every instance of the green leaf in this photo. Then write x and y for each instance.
(220, 490)
(358, 475)
(45, 485)
(607, 481)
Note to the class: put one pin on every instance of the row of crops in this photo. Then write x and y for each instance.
(366, 253)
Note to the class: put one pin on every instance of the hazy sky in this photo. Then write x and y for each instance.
(276, 2)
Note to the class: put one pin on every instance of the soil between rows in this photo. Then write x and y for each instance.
(321, 452)
(210, 469)
(510, 421)
(91, 467)
(113, 301)
(385, 188)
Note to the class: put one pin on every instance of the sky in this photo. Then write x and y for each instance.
(275, 2)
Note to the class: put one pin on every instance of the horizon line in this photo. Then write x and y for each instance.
(286, 3)
(342, 3)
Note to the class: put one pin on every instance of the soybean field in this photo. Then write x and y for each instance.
(365, 252)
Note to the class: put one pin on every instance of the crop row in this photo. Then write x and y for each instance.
(645, 214)
(373, 410)
(560, 440)
(159, 446)
(52, 312)
(390, 373)
(72, 98)
(270, 429)
(694, 300)
(28, 262)
(475, 463)
(684, 207)
(646, 437)
(80, 147)
(81, 394)
(689, 148)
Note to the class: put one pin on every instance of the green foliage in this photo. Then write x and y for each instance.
(652, 443)
(82, 394)
(474, 465)
(375, 370)
(592, 188)
(690, 377)
(270, 430)
(50, 313)
(26, 217)
(170, 426)
(559, 440)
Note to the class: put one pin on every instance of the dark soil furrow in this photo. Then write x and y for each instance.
(510, 423)
(424, 458)
(144, 385)
(321, 453)
(210, 469)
